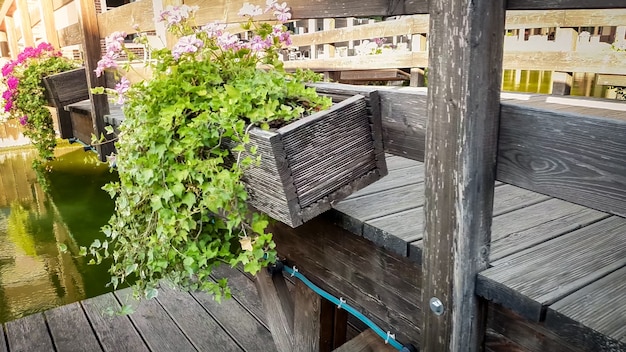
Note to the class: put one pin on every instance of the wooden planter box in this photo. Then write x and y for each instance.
(63, 89)
(313, 162)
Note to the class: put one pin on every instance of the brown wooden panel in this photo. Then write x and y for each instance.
(581, 159)
(115, 332)
(123, 18)
(529, 280)
(367, 341)
(307, 324)
(28, 334)
(70, 35)
(593, 317)
(66, 323)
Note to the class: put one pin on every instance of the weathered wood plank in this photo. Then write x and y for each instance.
(243, 291)
(565, 158)
(306, 322)
(526, 335)
(376, 205)
(464, 80)
(524, 228)
(563, 4)
(529, 280)
(115, 333)
(138, 13)
(68, 322)
(243, 327)
(155, 327)
(593, 317)
(91, 46)
(25, 23)
(279, 308)
(351, 267)
(29, 334)
(204, 333)
(395, 178)
(3, 342)
(367, 341)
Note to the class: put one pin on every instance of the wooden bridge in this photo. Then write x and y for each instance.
(439, 252)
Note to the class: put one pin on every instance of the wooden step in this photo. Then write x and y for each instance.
(367, 341)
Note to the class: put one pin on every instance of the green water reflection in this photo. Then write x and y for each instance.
(34, 274)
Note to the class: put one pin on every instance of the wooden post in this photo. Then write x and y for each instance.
(279, 308)
(465, 68)
(417, 77)
(312, 27)
(47, 16)
(92, 53)
(26, 26)
(4, 45)
(561, 83)
(306, 322)
(12, 36)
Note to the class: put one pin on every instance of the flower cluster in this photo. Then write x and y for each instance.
(181, 202)
(24, 97)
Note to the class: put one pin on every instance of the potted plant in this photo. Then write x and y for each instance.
(202, 138)
(25, 98)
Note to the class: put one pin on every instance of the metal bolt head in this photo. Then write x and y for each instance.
(436, 306)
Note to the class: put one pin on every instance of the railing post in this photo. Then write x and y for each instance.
(46, 8)
(91, 47)
(464, 77)
(25, 25)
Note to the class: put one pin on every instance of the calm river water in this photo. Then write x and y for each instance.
(34, 274)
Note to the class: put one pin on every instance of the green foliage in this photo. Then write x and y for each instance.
(26, 100)
(180, 202)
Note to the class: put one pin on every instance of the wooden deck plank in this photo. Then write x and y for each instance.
(115, 333)
(395, 162)
(395, 178)
(593, 317)
(65, 324)
(537, 223)
(29, 334)
(198, 326)
(239, 324)
(529, 280)
(243, 291)
(156, 328)
(3, 342)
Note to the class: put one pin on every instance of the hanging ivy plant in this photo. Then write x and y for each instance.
(181, 203)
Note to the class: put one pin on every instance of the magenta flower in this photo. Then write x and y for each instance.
(186, 44)
(12, 82)
(23, 120)
(8, 105)
(7, 95)
(8, 68)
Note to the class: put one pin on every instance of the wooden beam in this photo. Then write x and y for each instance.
(564, 18)
(367, 341)
(279, 308)
(124, 17)
(564, 4)
(12, 36)
(402, 26)
(92, 54)
(47, 14)
(611, 80)
(25, 25)
(306, 329)
(464, 76)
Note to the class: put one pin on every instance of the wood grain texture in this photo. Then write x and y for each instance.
(251, 335)
(307, 324)
(204, 333)
(3, 342)
(593, 317)
(65, 324)
(378, 284)
(115, 333)
(367, 341)
(46, 8)
(70, 35)
(279, 308)
(563, 4)
(91, 46)
(156, 328)
(67, 87)
(581, 159)
(29, 334)
(243, 291)
(523, 335)
(135, 13)
(464, 80)
(529, 280)
(25, 23)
